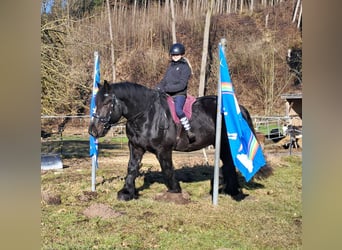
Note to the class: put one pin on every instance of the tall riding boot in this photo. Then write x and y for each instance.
(187, 127)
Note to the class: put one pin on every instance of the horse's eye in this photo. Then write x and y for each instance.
(107, 101)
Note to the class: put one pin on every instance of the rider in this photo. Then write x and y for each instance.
(175, 84)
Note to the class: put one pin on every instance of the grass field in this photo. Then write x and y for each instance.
(269, 218)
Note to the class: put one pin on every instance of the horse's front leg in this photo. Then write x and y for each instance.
(165, 160)
(128, 192)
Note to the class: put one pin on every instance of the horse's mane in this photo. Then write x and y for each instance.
(129, 91)
(123, 89)
(130, 86)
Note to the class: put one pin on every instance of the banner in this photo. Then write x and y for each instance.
(246, 151)
(92, 140)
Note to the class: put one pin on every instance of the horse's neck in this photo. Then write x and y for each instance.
(135, 106)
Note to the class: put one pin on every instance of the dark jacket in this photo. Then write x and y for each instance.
(175, 81)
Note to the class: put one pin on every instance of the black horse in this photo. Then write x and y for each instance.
(150, 127)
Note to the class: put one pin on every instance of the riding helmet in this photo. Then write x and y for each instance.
(177, 49)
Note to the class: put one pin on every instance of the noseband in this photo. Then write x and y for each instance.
(106, 120)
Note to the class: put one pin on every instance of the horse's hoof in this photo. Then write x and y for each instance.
(124, 195)
(239, 197)
(174, 190)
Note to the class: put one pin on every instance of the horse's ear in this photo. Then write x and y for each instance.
(106, 86)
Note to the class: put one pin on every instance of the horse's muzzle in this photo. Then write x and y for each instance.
(92, 131)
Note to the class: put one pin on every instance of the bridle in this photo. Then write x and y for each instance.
(106, 120)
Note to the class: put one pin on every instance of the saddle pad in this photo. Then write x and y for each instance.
(187, 107)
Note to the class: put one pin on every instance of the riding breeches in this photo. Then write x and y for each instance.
(179, 104)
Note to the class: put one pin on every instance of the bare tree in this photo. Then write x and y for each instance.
(296, 10)
(173, 22)
(251, 7)
(141, 32)
(297, 7)
(111, 41)
(205, 49)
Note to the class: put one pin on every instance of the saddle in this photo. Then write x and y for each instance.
(187, 107)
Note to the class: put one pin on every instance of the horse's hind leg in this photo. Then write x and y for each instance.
(165, 160)
(230, 177)
(128, 192)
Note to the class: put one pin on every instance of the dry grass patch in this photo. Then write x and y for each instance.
(269, 218)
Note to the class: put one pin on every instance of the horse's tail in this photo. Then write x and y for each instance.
(248, 118)
(264, 172)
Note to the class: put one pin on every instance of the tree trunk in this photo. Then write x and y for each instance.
(228, 6)
(111, 41)
(173, 22)
(205, 50)
(295, 11)
(300, 16)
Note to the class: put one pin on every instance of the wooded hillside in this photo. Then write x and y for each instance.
(258, 33)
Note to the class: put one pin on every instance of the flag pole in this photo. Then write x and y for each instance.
(93, 140)
(218, 133)
(93, 172)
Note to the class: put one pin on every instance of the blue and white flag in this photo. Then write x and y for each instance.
(92, 140)
(246, 151)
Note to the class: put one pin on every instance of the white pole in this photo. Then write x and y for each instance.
(218, 135)
(93, 173)
(95, 86)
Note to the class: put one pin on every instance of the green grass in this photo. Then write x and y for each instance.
(270, 219)
(266, 129)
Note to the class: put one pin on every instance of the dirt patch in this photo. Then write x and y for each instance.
(101, 210)
(177, 198)
(87, 196)
(51, 198)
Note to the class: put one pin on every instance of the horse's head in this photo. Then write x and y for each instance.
(108, 111)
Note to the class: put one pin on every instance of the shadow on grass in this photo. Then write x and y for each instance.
(76, 148)
(80, 149)
(196, 173)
